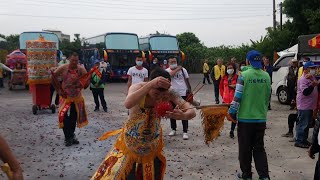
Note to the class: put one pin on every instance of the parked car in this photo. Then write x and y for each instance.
(280, 71)
(281, 66)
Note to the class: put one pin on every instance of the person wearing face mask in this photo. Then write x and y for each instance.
(242, 67)
(180, 85)
(249, 108)
(97, 87)
(137, 73)
(307, 91)
(227, 89)
(165, 64)
(155, 64)
(300, 71)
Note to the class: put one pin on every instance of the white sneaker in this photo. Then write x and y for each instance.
(172, 133)
(185, 136)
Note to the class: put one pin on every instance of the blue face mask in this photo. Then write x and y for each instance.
(139, 63)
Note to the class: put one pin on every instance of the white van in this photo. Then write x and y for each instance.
(280, 71)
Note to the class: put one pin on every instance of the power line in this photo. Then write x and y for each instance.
(127, 7)
(136, 19)
(191, 4)
(203, 13)
(145, 3)
(178, 6)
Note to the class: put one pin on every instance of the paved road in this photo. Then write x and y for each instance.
(38, 143)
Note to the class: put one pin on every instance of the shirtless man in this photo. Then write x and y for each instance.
(138, 151)
(72, 108)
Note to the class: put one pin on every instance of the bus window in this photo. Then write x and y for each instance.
(164, 43)
(122, 41)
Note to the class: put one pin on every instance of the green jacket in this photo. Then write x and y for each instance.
(255, 97)
(96, 79)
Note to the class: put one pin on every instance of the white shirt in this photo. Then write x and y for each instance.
(62, 62)
(137, 75)
(103, 65)
(178, 84)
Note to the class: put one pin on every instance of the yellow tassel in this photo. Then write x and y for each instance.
(109, 134)
(212, 121)
(6, 168)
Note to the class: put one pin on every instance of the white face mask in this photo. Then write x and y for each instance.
(173, 66)
(154, 62)
(303, 63)
(165, 62)
(230, 71)
(312, 71)
(139, 63)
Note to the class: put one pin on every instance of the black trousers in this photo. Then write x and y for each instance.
(184, 122)
(216, 89)
(1, 83)
(98, 93)
(291, 92)
(70, 122)
(56, 101)
(233, 126)
(292, 118)
(251, 143)
(206, 76)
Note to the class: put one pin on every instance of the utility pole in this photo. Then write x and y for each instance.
(281, 16)
(274, 15)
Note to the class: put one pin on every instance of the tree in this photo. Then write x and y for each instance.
(304, 15)
(68, 47)
(12, 42)
(193, 49)
(187, 39)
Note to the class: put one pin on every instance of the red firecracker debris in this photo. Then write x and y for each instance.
(162, 107)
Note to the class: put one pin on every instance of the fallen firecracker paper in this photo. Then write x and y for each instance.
(6, 168)
(212, 121)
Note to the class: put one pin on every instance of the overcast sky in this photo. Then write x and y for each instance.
(227, 22)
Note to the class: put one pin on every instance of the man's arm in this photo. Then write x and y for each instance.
(6, 67)
(138, 91)
(7, 156)
(307, 89)
(146, 78)
(177, 113)
(84, 71)
(129, 82)
(103, 78)
(173, 72)
(237, 96)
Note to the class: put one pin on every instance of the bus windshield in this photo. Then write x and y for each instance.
(122, 41)
(164, 43)
(27, 36)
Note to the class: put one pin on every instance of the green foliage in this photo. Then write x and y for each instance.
(68, 47)
(304, 16)
(12, 42)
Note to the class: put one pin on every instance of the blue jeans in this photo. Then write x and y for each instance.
(302, 128)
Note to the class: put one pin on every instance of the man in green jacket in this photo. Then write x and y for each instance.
(249, 107)
(97, 87)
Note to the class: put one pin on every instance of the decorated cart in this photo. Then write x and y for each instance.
(17, 62)
(41, 55)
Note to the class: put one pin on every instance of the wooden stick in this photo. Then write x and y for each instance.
(193, 93)
(196, 86)
(205, 106)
